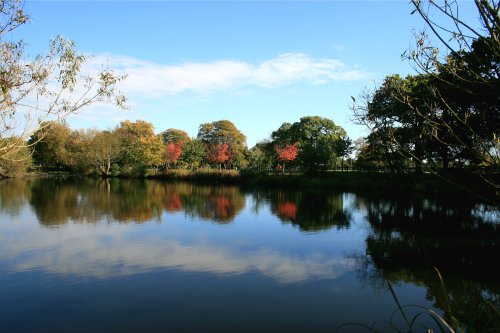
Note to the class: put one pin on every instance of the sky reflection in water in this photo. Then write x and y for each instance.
(148, 255)
(82, 238)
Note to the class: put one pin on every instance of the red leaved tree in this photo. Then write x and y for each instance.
(286, 153)
(219, 153)
(172, 152)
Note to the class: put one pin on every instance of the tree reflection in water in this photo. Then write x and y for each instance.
(406, 236)
(58, 201)
(307, 209)
(218, 204)
(410, 236)
(14, 194)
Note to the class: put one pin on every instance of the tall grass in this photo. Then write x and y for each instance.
(485, 320)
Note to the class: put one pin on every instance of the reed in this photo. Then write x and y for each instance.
(414, 317)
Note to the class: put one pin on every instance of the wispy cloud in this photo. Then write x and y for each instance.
(156, 80)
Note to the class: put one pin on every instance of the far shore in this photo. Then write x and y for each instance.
(407, 183)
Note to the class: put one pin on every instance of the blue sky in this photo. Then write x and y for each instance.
(256, 63)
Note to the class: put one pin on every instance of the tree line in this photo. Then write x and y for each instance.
(445, 116)
(132, 148)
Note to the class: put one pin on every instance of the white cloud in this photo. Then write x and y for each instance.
(155, 80)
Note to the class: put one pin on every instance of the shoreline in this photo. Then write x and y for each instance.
(421, 184)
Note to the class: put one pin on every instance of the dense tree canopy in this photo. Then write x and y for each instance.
(141, 147)
(193, 154)
(317, 139)
(50, 149)
(448, 115)
(133, 148)
(223, 132)
(172, 152)
(101, 149)
(174, 135)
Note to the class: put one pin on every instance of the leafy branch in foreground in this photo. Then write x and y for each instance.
(47, 87)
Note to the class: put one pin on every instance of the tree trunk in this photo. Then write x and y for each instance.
(419, 153)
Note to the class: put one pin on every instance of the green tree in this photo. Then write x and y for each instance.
(49, 145)
(49, 79)
(317, 139)
(141, 147)
(466, 71)
(344, 148)
(399, 114)
(283, 135)
(77, 146)
(95, 151)
(193, 154)
(365, 159)
(175, 136)
(260, 158)
(225, 132)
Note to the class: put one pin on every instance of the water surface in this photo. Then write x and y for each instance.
(81, 255)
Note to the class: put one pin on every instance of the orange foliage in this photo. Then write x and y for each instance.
(219, 153)
(287, 210)
(172, 152)
(286, 153)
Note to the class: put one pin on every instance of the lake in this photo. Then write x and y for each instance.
(85, 255)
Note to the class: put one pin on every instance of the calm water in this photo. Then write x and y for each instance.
(149, 256)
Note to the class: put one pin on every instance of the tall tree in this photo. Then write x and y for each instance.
(193, 154)
(466, 68)
(317, 139)
(219, 153)
(97, 151)
(141, 147)
(174, 135)
(344, 148)
(50, 145)
(224, 132)
(400, 112)
(172, 152)
(36, 90)
(259, 158)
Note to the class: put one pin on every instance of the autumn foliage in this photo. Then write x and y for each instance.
(172, 152)
(219, 154)
(286, 153)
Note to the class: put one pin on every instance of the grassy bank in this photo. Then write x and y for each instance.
(426, 183)
(353, 181)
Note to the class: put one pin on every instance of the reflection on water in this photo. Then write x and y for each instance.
(409, 237)
(310, 210)
(307, 246)
(105, 252)
(57, 202)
